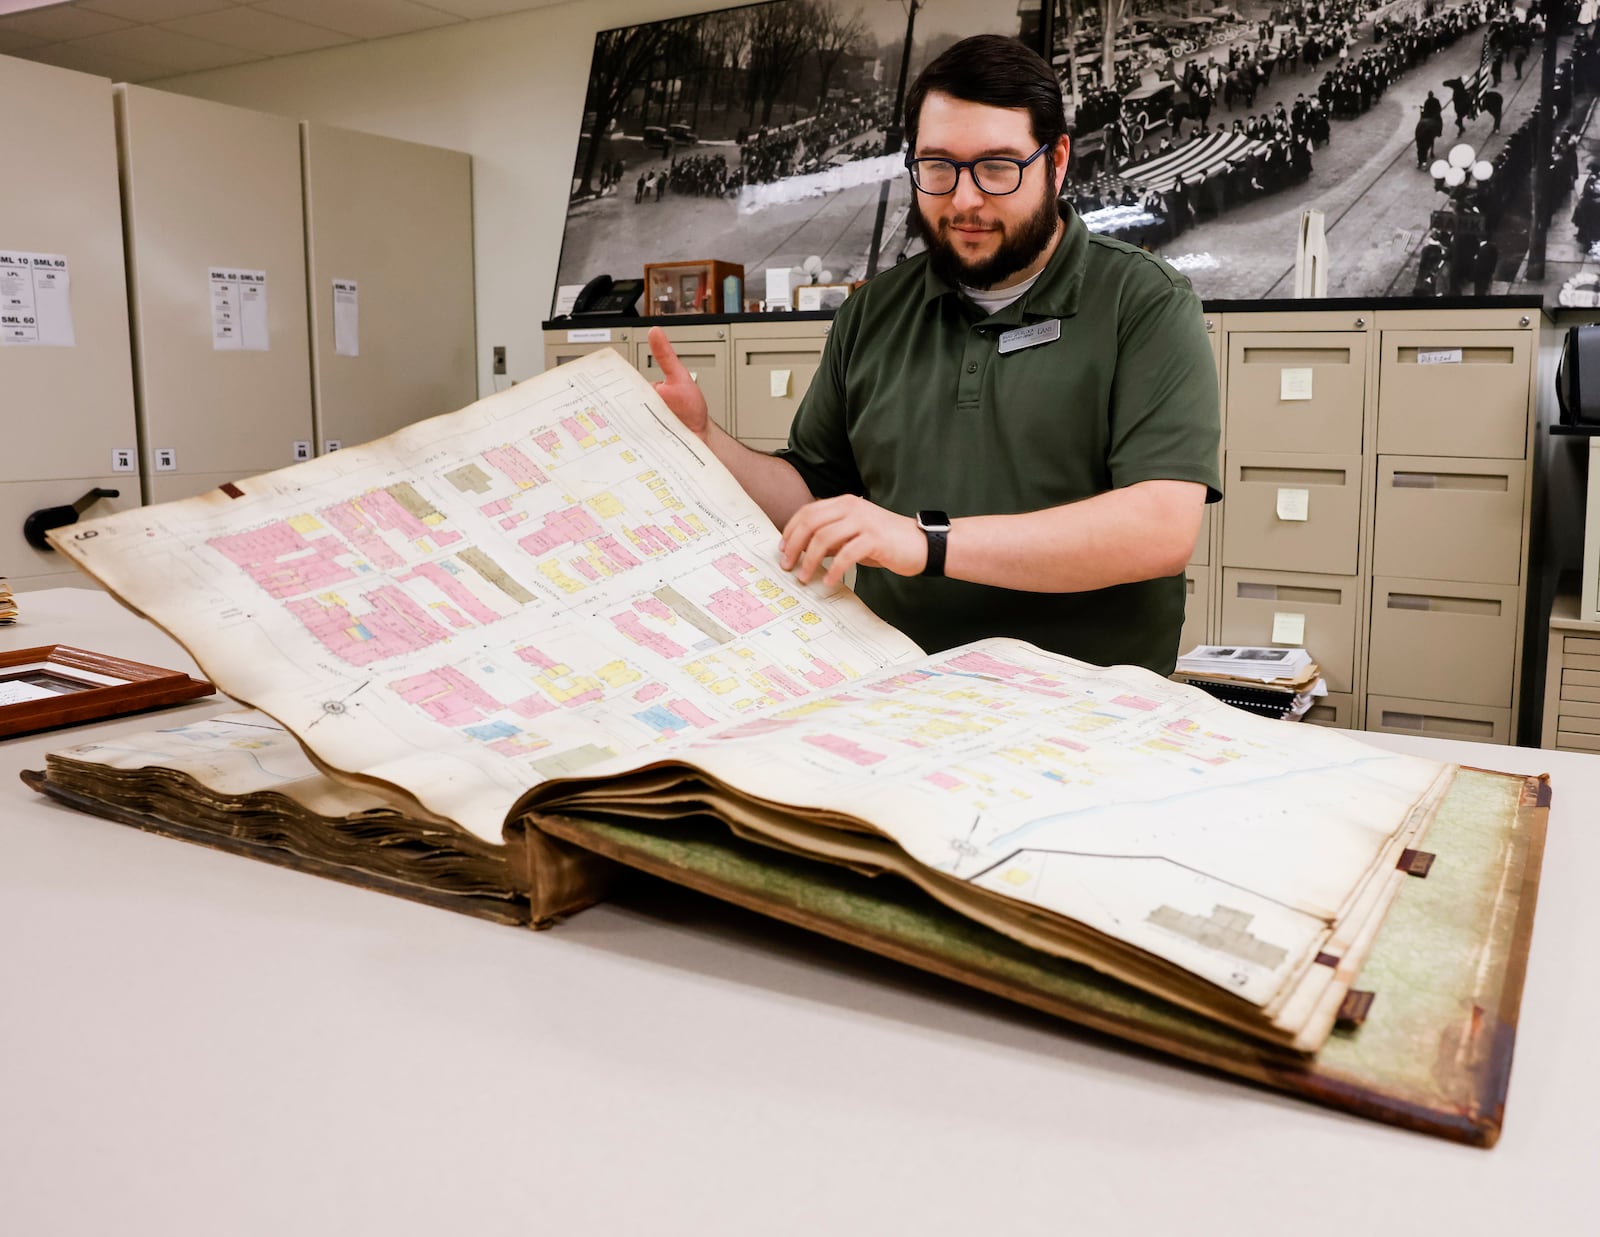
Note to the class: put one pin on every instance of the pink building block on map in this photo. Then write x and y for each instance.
(283, 562)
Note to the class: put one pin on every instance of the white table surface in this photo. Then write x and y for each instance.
(195, 1043)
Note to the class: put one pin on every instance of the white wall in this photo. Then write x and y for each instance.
(509, 91)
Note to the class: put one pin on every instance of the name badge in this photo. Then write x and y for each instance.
(1030, 336)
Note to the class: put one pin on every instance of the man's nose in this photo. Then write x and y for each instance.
(966, 195)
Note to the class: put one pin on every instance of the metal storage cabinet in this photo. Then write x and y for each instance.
(67, 411)
(210, 186)
(396, 219)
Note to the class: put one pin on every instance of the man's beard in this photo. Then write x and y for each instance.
(1018, 250)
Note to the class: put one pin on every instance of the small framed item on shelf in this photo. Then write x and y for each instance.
(56, 685)
(689, 287)
(820, 295)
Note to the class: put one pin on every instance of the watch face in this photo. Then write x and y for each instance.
(933, 521)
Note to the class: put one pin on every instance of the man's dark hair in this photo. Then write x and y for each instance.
(999, 72)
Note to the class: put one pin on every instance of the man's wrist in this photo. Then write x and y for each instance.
(935, 526)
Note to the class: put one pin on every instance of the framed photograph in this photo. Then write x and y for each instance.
(821, 295)
(57, 685)
(689, 287)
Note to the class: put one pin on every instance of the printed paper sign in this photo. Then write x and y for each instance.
(35, 305)
(1294, 504)
(346, 318)
(1294, 383)
(1288, 629)
(238, 310)
(590, 335)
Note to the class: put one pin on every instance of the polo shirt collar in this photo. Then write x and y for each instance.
(1055, 293)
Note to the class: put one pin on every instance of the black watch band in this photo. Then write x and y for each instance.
(935, 526)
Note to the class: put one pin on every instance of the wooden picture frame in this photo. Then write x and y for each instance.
(58, 685)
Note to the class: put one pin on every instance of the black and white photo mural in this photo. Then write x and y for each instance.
(1451, 146)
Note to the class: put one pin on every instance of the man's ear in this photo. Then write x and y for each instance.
(1059, 157)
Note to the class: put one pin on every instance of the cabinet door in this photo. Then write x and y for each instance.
(1451, 392)
(771, 376)
(1437, 640)
(1437, 719)
(212, 201)
(1290, 391)
(1271, 607)
(704, 352)
(1292, 512)
(1440, 518)
(66, 374)
(393, 219)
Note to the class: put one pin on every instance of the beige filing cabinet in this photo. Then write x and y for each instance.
(1572, 680)
(568, 345)
(1452, 476)
(773, 365)
(389, 223)
(217, 284)
(1292, 549)
(67, 407)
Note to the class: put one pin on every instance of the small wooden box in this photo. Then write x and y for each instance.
(690, 288)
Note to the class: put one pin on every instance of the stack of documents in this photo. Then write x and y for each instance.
(8, 603)
(1276, 681)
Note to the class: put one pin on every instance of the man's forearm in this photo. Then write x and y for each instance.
(1142, 532)
(775, 485)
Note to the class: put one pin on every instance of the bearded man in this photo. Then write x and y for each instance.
(1014, 433)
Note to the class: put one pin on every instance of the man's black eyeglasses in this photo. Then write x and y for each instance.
(995, 175)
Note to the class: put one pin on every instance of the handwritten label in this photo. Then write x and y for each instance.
(1438, 356)
(1294, 383)
(1288, 628)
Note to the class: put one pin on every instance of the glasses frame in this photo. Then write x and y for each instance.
(971, 166)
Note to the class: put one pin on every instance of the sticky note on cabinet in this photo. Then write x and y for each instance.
(1294, 504)
(694, 375)
(1294, 383)
(780, 384)
(1288, 628)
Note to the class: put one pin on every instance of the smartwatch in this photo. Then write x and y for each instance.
(935, 526)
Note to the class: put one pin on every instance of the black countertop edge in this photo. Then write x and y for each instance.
(1334, 304)
(591, 321)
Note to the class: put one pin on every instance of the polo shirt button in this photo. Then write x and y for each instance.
(972, 368)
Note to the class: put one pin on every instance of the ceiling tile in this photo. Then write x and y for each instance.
(151, 11)
(365, 19)
(166, 49)
(92, 60)
(488, 8)
(256, 31)
(15, 41)
(62, 22)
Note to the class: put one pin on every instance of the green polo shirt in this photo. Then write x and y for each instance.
(914, 407)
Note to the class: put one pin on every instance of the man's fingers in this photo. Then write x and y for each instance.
(672, 369)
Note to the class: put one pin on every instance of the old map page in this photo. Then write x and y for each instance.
(552, 576)
(1235, 846)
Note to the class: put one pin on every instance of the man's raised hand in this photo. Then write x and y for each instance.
(677, 389)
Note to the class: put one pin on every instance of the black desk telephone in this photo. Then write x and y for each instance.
(604, 295)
